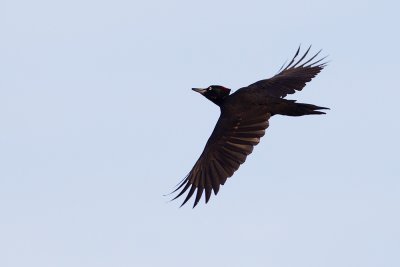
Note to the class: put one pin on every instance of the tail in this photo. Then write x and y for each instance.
(291, 108)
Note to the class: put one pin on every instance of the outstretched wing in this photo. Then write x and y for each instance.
(292, 77)
(233, 138)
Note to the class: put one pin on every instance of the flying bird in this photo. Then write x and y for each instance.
(243, 121)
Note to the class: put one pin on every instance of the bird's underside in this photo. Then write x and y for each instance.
(243, 121)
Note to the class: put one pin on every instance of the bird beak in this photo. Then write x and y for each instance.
(199, 90)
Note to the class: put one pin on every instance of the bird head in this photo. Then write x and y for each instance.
(214, 93)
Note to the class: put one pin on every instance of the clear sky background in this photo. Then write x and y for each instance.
(97, 122)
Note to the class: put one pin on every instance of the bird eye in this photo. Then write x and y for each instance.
(209, 88)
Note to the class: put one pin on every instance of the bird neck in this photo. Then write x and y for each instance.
(218, 101)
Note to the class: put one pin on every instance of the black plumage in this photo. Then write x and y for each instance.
(243, 120)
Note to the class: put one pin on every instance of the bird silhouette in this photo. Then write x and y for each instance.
(243, 121)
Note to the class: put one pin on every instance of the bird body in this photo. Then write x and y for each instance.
(243, 121)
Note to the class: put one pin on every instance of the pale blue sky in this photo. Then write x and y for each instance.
(97, 122)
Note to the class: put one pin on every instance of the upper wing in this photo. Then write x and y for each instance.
(233, 138)
(291, 78)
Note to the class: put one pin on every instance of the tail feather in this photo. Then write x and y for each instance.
(291, 108)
